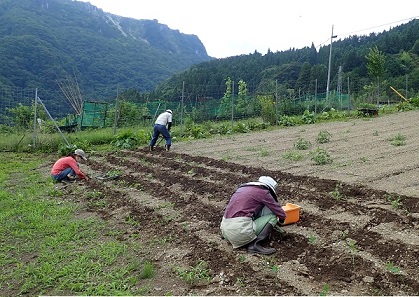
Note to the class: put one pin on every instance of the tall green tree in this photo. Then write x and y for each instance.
(242, 103)
(226, 101)
(376, 65)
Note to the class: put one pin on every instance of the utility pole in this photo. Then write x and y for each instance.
(330, 62)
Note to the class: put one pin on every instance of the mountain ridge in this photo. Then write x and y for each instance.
(45, 40)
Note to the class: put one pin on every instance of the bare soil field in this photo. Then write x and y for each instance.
(358, 232)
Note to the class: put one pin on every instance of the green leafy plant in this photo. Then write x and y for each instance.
(344, 234)
(302, 144)
(398, 140)
(323, 137)
(325, 290)
(308, 117)
(293, 156)
(364, 159)
(264, 152)
(240, 282)
(394, 201)
(126, 140)
(336, 194)
(321, 157)
(352, 247)
(312, 239)
(392, 268)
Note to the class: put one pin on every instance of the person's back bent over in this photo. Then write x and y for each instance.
(162, 126)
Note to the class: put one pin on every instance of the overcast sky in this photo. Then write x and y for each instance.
(233, 27)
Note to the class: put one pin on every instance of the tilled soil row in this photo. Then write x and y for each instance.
(340, 242)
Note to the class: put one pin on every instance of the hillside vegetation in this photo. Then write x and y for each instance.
(42, 41)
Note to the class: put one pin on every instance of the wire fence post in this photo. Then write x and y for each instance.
(34, 118)
(116, 111)
(181, 107)
(232, 104)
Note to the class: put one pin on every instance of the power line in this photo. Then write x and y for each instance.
(367, 29)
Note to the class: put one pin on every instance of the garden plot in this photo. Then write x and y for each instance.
(353, 238)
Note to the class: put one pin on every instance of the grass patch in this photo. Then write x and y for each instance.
(47, 250)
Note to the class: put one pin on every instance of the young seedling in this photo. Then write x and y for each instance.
(392, 268)
(344, 234)
(394, 201)
(325, 290)
(353, 248)
(336, 193)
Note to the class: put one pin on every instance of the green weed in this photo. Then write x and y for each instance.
(61, 250)
(148, 270)
(195, 275)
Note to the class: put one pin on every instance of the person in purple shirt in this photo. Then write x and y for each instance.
(251, 214)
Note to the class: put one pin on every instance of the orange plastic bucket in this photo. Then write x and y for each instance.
(293, 213)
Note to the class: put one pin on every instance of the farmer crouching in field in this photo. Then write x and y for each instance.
(251, 214)
(163, 120)
(67, 169)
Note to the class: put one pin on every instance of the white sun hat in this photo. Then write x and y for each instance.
(269, 181)
(80, 153)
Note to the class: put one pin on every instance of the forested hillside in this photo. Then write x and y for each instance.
(42, 41)
(297, 72)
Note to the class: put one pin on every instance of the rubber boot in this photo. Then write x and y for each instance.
(167, 147)
(255, 248)
(151, 148)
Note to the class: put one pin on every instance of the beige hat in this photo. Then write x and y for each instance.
(80, 153)
(269, 181)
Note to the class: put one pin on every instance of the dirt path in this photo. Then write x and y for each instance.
(355, 235)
